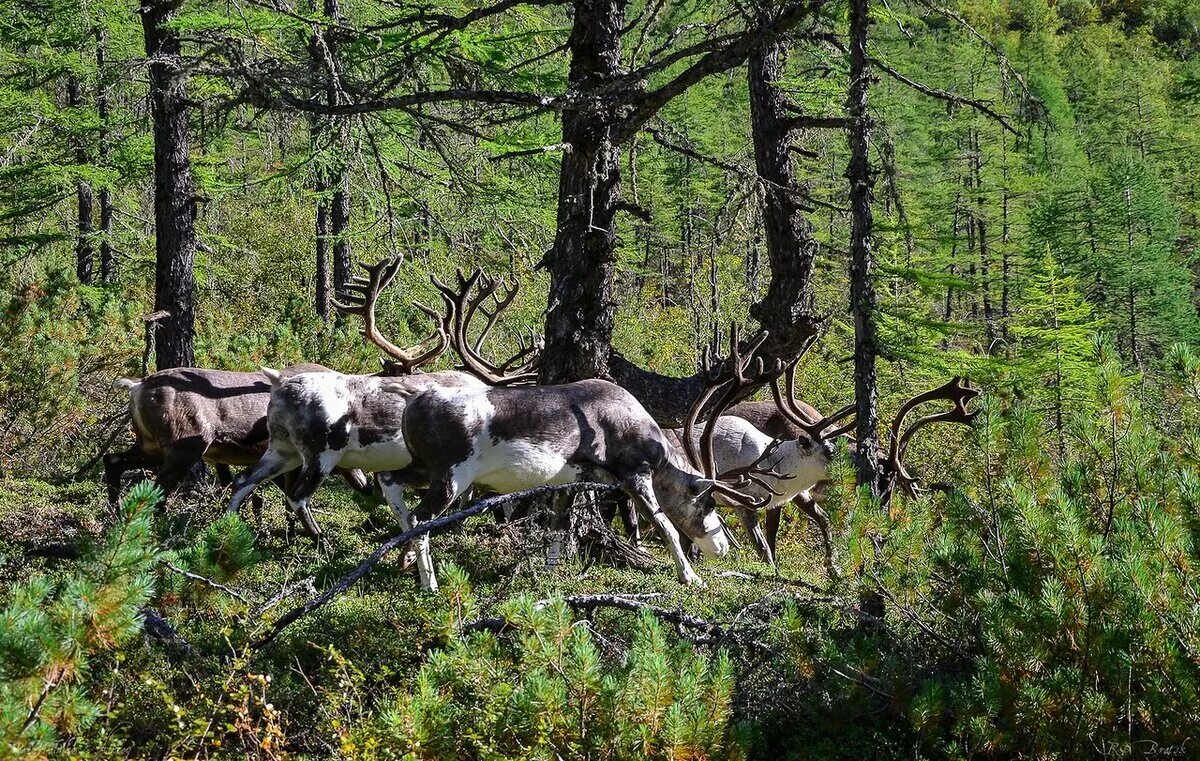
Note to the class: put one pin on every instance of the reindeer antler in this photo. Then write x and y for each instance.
(789, 406)
(730, 381)
(477, 294)
(956, 391)
(359, 297)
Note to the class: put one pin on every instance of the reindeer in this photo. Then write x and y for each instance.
(183, 416)
(497, 436)
(319, 421)
(772, 471)
(753, 433)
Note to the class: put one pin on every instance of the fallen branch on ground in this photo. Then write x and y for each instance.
(432, 527)
(703, 632)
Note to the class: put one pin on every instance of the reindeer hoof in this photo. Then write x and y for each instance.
(692, 579)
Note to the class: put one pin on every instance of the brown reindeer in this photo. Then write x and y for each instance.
(183, 416)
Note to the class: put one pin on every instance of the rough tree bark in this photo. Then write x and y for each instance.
(579, 318)
(321, 292)
(108, 265)
(175, 199)
(85, 253)
(339, 226)
(788, 309)
(862, 291)
(332, 184)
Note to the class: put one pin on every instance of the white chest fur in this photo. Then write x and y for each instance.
(508, 466)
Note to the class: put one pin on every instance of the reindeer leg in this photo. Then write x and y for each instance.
(116, 464)
(749, 518)
(178, 462)
(443, 489)
(641, 491)
(771, 526)
(312, 473)
(272, 464)
(810, 507)
(392, 483)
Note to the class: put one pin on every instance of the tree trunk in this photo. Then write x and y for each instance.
(788, 310)
(862, 290)
(582, 263)
(981, 231)
(339, 224)
(108, 266)
(332, 184)
(85, 254)
(174, 191)
(1130, 296)
(321, 292)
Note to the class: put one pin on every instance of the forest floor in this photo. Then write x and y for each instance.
(384, 625)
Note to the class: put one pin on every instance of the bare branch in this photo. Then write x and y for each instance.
(945, 95)
(432, 528)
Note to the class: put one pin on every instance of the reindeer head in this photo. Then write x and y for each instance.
(687, 499)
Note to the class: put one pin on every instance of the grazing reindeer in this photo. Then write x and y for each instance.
(319, 421)
(509, 439)
(186, 415)
(772, 471)
(746, 432)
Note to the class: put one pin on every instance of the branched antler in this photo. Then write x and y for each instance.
(359, 297)
(731, 380)
(789, 406)
(955, 391)
(482, 294)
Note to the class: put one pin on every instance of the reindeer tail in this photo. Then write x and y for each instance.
(274, 376)
(126, 384)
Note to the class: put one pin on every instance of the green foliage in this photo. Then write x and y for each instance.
(546, 689)
(50, 629)
(225, 549)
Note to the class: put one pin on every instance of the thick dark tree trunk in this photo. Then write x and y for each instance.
(108, 268)
(862, 290)
(339, 225)
(788, 310)
(579, 318)
(332, 183)
(174, 191)
(85, 253)
(321, 292)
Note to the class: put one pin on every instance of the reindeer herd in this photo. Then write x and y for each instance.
(486, 427)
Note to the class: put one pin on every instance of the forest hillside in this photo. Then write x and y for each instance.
(894, 451)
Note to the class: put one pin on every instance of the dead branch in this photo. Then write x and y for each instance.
(945, 95)
(206, 581)
(700, 631)
(436, 526)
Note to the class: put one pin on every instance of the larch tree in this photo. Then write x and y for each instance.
(175, 198)
(862, 289)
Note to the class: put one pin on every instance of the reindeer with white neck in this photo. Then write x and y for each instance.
(791, 475)
(456, 435)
